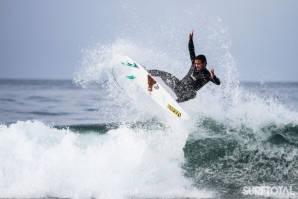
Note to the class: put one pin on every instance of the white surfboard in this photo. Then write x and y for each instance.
(151, 87)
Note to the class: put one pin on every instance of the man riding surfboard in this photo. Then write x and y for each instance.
(195, 79)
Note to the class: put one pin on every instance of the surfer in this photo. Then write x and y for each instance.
(195, 79)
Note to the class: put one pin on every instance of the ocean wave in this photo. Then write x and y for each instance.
(121, 161)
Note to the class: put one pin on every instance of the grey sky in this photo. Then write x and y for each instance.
(43, 39)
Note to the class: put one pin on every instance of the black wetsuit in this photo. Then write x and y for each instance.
(187, 88)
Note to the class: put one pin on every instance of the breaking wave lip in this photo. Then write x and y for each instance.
(277, 133)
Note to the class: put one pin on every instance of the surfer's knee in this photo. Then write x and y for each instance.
(154, 72)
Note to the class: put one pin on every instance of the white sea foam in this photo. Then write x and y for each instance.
(38, 160)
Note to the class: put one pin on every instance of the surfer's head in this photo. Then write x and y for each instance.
(200, 62)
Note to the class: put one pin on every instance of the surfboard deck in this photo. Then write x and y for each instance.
(152, 88)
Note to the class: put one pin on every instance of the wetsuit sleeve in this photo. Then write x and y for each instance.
(215, 80)
(191, 49)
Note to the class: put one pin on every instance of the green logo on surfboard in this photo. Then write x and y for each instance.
(129, 64)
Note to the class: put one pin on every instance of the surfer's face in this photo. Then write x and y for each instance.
(200, 65)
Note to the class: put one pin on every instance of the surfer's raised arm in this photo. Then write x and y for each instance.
(191, 47)
(214, 79)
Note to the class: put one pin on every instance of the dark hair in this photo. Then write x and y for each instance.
(202, 58)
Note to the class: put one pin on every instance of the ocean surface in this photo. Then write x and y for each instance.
(61, 139)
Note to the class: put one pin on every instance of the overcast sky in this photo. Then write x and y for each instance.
(44, 39)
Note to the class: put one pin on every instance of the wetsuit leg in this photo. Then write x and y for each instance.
(185, 94)
(169, 79)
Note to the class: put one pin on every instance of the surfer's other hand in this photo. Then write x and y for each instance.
(191, 34)
(212, 73)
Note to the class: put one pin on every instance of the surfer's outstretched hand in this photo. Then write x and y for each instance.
(212, 73)
(191, 34)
